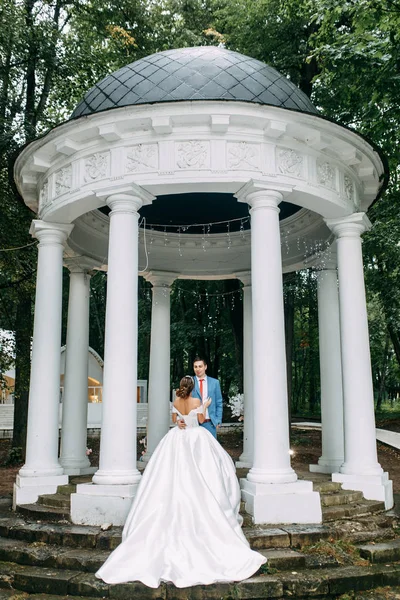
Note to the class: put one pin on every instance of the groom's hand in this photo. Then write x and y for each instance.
(181, 424)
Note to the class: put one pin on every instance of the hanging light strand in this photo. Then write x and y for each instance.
(204, 226)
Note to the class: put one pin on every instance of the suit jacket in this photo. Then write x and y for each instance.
(214, 392)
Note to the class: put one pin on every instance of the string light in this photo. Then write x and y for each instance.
(18, 247)
(146, 293)
(185, 226)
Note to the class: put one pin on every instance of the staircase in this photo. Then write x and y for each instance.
(355, 548)
(336, 503)
(53, 507)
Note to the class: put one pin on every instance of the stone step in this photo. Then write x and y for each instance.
(378, 553)
(39, 554)
(247, 520)
(326, 487)
(374, 528)
(11, 595)
(284, 559)
(366, 507)
(90, 560)
(287, 536)
(44, 513)
(55, 500)
(73, 536)
(325, 582)
(67, 489)
(341, 497)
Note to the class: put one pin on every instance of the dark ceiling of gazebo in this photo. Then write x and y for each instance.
(174, 210)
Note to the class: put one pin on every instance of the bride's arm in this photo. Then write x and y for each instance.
(175, 418)
(174, 414)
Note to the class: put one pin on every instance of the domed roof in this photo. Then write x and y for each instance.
(202, 73)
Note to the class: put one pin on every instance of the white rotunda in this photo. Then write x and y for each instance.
(199, 136)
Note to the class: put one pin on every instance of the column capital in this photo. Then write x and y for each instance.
(245, 278)
(162, 279)
(124, 189)
(81, 264)
(351, 226)
(50, 233)
(124, 203)
(260, 194)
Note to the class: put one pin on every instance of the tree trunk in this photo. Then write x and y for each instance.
(382, 379)
(23, 335)
(394, 336)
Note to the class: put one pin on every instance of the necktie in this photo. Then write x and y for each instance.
(201, 388)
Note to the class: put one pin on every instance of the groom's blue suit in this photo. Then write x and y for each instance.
(215, 408)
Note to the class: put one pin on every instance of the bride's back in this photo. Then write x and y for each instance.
(185, 405)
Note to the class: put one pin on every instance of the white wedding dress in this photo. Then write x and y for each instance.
(184, 525)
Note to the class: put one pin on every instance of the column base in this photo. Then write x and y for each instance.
(326, 466)
(281, 502)
(80, 470)
(116, 478)
(28, 489)
(77, 466)
(94, 504)
(374, 487)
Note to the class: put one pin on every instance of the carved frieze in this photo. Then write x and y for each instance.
(96, 166)
(242, 155)
(326, 174)
(63, 180)
(142, 158)
(193, 155)
(44, 195)
(290, 162)
(349, 188)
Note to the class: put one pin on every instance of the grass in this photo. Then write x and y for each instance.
(267, 570)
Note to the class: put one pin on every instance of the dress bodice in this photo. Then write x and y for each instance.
(190, 419)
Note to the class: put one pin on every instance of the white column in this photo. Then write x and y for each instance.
(75, 401)
(42, 472)
(117, 478)
(360, 470)
(271, 490)
(330, 368)
(159, 397)
(246, 458)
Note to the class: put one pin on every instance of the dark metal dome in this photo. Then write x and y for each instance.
(202, 73)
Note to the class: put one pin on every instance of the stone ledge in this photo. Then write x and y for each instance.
(378, 553)
(305, 584)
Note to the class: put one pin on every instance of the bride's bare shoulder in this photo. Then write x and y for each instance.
(194, 402)
(178, 404)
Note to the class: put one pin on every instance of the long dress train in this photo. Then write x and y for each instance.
(184, 525)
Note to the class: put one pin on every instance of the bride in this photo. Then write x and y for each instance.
(184, 525)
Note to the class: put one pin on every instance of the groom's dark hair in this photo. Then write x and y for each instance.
(199, 359)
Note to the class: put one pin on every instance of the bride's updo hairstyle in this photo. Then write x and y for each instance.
(186, 386)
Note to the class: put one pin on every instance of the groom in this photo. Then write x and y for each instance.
(207, 387)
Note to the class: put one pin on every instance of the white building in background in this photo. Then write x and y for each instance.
(7, 378)
(94, 394)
